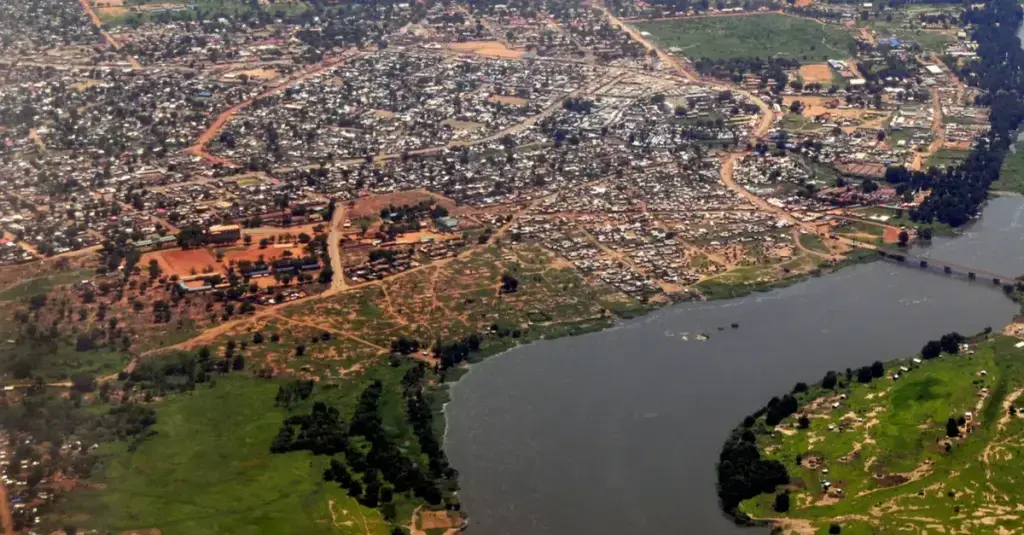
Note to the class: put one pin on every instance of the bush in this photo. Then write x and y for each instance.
(952, 429)
(781, 502)
(834, 529)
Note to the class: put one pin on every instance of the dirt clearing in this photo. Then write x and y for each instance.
(816, 73)
(487, 48)
(511, 101)
(372, 205)
(181, 262)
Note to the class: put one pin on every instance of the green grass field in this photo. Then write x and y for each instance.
(750, 36)
(1011, 174)
(946, 157)
(211, 9)
(209, 470)
(42, 285)
(882, 445)
(814, 243)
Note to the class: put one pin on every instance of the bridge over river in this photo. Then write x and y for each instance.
(948, 268)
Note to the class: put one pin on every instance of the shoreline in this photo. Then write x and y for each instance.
(442, 392)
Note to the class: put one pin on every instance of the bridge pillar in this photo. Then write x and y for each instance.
(971, 275)
(995, 280)
(924, 264)
(947, 270)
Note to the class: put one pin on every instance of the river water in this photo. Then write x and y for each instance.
(618, 431)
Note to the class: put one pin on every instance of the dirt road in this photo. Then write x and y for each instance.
(767, 115)
(5, 511)
(87, 6)
(728, 166)
(199, 149)
(338, 283)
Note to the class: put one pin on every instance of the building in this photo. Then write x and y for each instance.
(224, 233)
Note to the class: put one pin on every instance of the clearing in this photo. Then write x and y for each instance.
(819, 73)
(182, 262)
(752, 36)
(487, 48)
(208, 469)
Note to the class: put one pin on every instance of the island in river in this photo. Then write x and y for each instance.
(929, 443)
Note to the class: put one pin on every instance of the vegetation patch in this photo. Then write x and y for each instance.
(905, 445)
(208, 466)
(752, 36)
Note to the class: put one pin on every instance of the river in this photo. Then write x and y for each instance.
(618, 431)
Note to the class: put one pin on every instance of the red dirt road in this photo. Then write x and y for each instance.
(199, 149)
(110, 39)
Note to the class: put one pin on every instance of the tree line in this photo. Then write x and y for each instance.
(959, 191)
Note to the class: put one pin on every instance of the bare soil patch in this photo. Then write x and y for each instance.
(438, 520)
(253, 254)
(487, 48)
(372, 205)
(512, 101)
(182, 262)
(816, 72)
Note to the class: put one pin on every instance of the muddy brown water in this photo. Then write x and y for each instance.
(618, 431)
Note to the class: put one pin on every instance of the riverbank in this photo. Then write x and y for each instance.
(916, 439)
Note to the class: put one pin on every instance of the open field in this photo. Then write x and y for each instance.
(947, 157)
(884, 449)
(900, 218)
(816, 73)
(1011, 174)
(208, 469)
(487, 48)
(463, 297)
(815, 106)
(182, 262)
(757, 278)
(42, 285)
(254, 253)
(750, 36)
(140, 11)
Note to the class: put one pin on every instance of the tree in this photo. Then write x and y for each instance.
(37, 301)
(877, 369)
(238, 364)
(300, 350)
(804, 422)
(257, 338)
(950, 342)
(509, 284)
(782, 502)
(834, 529)
(830, 380)
(83, 382)
(931, 350)
(904, 238)
(864, 375)
(952, 429)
